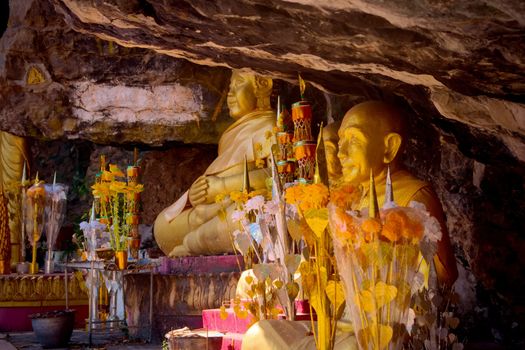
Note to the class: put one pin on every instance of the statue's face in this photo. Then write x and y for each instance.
(331, 139)
(241, 97)
(361, 147)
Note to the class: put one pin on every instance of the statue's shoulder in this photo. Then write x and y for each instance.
(406, 185)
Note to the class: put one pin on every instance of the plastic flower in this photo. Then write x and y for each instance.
(271, 207)
(396, 222)
(344, 225)
(314, 196)
(117, 187)
(307, 196)
(255, 193)
(254, 203)
(237, 215)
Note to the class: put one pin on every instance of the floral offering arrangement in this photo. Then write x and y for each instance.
(371, 259)
(34, 217)
(261, 232)
(309, 221)
(116, 201)
(379, 255)
(432, 324)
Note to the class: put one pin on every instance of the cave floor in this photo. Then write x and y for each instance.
(101, 340)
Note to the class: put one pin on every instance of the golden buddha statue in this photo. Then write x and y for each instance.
(370, 137)
(331, 148)
(13, 154)
(192, 225)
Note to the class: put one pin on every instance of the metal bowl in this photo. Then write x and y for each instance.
(105, 253)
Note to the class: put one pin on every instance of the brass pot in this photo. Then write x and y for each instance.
(105, 253)
(121, 258)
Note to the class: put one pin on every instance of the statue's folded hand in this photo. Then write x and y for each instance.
(198, 191)
(205, 189)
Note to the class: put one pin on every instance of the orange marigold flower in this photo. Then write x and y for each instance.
(314, 196)
(413, 231)
(370, 226)
(392, 231)
(397, 216)
(239, 196)
(344, 196)
(36, 192)
(293, 194)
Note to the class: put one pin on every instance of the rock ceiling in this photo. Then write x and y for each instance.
(458, 61)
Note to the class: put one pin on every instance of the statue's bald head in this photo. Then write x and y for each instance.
(380, 116)
(370, 137)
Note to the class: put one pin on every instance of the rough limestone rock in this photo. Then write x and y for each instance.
(56, 83)
(466, 56)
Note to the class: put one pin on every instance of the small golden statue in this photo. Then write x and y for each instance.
(191, 226)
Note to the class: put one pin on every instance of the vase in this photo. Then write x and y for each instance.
(121, 258)
(53, 329)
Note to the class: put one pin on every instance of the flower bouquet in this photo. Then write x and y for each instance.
(308, 219)
(117, 208)
(95, 236)
(379, 255)
(34, 218)
(54, 213)
(261, 231)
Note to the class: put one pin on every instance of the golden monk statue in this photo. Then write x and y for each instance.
(331, 147)
(370, 137)
(192, 225)
(13, 153)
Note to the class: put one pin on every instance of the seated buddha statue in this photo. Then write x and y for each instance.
(370, 137)
(192, 225)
